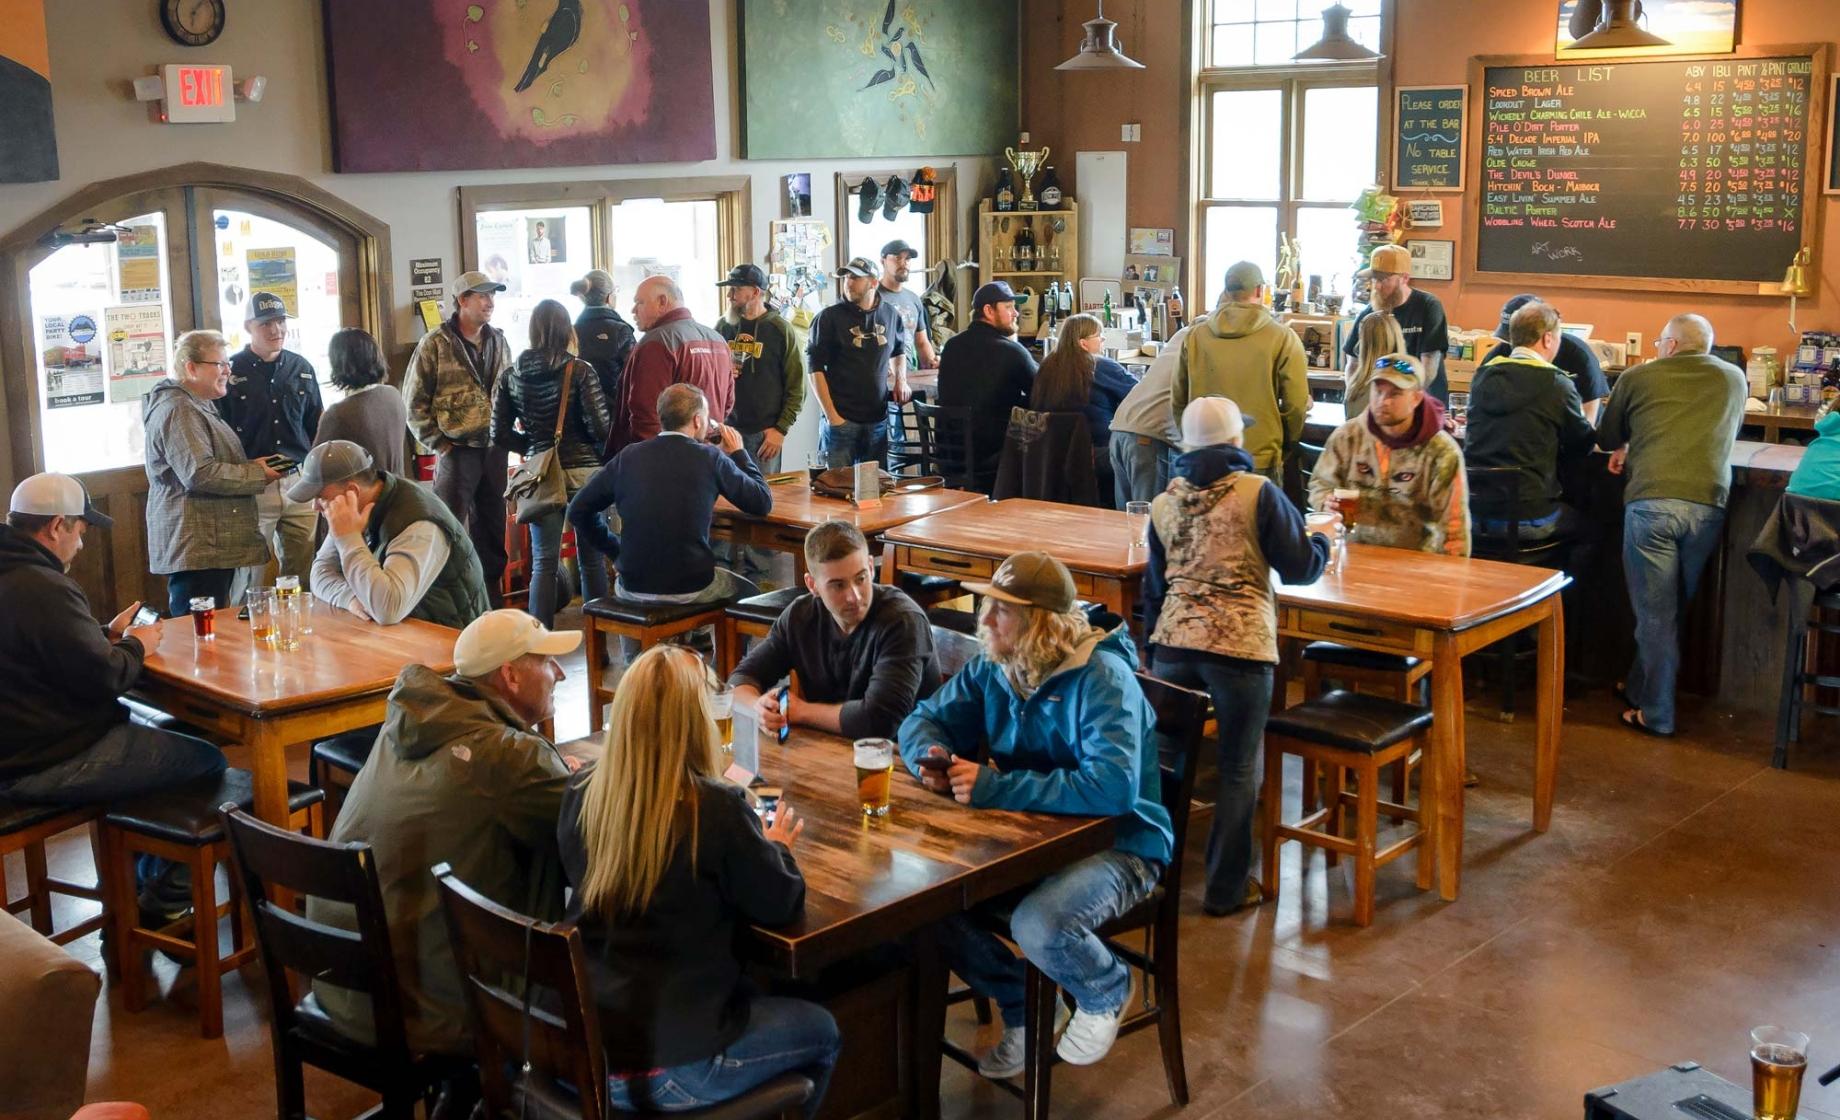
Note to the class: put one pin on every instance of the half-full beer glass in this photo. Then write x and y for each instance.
(874, 774)
(1778, 1059)
(722, 706)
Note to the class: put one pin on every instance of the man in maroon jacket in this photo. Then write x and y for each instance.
(676, 348)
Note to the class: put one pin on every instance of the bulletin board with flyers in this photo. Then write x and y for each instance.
(796, 276)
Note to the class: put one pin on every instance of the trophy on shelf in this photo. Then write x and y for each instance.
(1026, 164)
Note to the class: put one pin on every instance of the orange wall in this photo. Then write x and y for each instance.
(1436, 39)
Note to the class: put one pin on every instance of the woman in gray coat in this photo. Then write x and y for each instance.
(201, 493)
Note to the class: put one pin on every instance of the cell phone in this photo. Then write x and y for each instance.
(938, 762)
(785, 729)
(281, 463)
(243, 614)
(146, 616)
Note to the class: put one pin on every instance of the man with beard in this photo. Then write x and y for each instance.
(769, 380)
(907, 303)
(1420, 316)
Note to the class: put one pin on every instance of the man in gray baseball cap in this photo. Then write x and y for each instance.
(392, 550)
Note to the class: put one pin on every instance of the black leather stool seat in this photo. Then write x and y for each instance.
(187, 814)
(346, 752)
(633, 613)
(1332, 653)
(765, 609)
(919, 583)
(1350, 721)
(946, 618)
(17, 817)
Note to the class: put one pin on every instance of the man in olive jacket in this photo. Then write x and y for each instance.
(460, 777)
(1243, 354)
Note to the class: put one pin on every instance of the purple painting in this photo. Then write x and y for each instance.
(445, 85)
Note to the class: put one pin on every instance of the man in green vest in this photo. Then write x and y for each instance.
(393, 550)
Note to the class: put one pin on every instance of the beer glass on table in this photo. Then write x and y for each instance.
(1329, 524)
(261, 604)
(1779, 1058)
(290, 613)
(874, 775)
(722, 706)
(287, 590)
(1139, 515)
(204, 618)
(1348, 504)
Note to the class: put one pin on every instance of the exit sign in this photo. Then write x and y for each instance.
(198, 94)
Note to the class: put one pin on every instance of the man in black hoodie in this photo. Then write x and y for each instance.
(986, 370)
(69, 741)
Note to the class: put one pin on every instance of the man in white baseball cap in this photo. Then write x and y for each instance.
(458, 775)
(69, 740)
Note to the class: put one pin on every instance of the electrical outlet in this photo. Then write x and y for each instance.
(1633, 342)
(1137, 132)
(1124, 134)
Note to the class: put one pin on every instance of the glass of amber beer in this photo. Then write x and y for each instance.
(204, 618)
(1348, 504)
(261, 603)
(1779, 1057)
(874, 774)
(722, 706)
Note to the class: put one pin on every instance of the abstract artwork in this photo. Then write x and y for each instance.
(446, 85)
(854, 78)
(28, 136)
(1689, 26)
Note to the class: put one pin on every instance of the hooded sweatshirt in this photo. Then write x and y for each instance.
(1524, 413)
(1413, 493)
(1258, 363)
(1818, 474)
(1215, 536)
(1080, 744)
(456, 777)
(64, 674)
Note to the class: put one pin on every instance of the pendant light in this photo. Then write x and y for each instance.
(1099, 50)
(1618, 28)
(1336, 44)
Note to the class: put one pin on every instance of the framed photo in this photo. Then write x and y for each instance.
(1433, 260)
(1151, 271)
(1831, 182)
(1149, 242)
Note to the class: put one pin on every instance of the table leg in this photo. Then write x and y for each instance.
(1550, 714)
(890, 569)
(268, 754)
(926, 1026)
(1447, 757)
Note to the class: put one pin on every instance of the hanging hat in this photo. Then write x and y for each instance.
(896, 199)
(923, 191)
(870, 196)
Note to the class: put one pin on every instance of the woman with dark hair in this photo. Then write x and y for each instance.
(1076, 377)
(372, 415)
(525, 404)
(603, 338)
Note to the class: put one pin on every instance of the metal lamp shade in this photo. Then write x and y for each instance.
(1619, 29)
(1099, 50)
(1336, 45)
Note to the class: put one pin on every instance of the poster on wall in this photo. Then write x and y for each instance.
(546, 240)
(137, 264)
(500, 84)
(136, 350)
(28, 140)
(70, 348)
(501, 241)
(276, 272)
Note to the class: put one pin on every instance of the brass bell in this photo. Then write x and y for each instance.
(1796, 281)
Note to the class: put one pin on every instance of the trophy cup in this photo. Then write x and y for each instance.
(1026, 164)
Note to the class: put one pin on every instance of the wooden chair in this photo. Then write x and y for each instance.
(182, 824)
(553, 1029)
(749, 619)
(1808, 620)
(953, 649)
(949, 447)
(1180, 716)
(267, 860)
(1048, 456)
(24, 829)
(1346, 731)
(1493, 490)
(648, 624)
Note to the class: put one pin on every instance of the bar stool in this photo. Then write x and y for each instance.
(1807, 622)
(648, 624)
(334, 765)
(1346, 731)
(750, 618)
(1391, 675)
(24, 829)
(182, 824)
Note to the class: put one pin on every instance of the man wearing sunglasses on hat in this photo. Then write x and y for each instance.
(1420, 316)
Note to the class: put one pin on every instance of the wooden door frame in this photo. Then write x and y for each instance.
(21, 249)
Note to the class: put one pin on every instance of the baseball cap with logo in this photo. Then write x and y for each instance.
(474, 281)
(861, 267)
(744, 276)
(498, 638)
(263, 307)
(57, 495)
(1388, 260)
(1210, 422)
(1030, 579)
(997, 291)
(333, 461)
(1402, 370)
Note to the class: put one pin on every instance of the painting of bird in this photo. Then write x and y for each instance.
(559, 34)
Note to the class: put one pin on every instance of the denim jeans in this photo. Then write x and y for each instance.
(1666, 543)
(1140, 467)
(752, 561)
(183, 587)
(1241, 691)
(1053, 923)
(850, 443)
(782, 1036)
(130, 760)
(546, 558)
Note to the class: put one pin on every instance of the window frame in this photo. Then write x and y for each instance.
(1207, 24)
(941, 224)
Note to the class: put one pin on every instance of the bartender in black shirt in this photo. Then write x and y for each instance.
(1419, 314)
(1575, 357)
(274, 407)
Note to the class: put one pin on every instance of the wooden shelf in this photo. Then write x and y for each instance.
(1066, 239)
(1036, 272)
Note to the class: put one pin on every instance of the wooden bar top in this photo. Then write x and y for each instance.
(794, 504)
(343, 657)
(1422, 589)
(1081, 537)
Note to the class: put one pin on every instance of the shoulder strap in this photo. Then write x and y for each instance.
(562, 405)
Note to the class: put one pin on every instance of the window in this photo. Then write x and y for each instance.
(256, 253)
(650, 236)
(865, 239)
(536, 254)
(1271, 32)
(933, 235)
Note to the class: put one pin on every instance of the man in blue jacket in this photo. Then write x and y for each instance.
(1056, 706)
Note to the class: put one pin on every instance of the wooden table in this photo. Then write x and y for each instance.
(1783, 418)
(1443, 607)
(872, 882)
(269, 699)
(797, 510)
(1097, 545)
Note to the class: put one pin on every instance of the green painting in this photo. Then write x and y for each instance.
(846, 78)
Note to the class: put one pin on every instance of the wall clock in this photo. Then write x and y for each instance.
(193, 23)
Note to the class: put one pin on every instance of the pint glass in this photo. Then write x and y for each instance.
(874, 774)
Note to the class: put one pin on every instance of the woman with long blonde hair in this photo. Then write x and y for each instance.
(1379, 336)
(666, 860)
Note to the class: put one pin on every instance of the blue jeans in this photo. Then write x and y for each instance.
(183, 587)
(546, 557)
(1140, 467)
(130, 760)
(1241, 692)
(1666, 543)
(849, 443)
(1053, 923)
(782, 1036)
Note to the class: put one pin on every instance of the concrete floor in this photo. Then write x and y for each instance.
(1685, 893)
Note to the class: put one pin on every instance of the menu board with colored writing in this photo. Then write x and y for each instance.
(1676, 170)
(1428, 138)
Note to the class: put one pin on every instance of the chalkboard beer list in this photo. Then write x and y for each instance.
(1682, 170)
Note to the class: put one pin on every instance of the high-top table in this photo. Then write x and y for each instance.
(797, 510)
(1443, 607)
(268, 699)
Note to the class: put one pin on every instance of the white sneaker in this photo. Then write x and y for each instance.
(1089, 1036)
(1010, 1054)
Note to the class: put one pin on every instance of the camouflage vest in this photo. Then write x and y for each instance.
(1220, 599)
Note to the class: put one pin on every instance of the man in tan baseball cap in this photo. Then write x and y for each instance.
(1420, 316)
(1057, 707)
